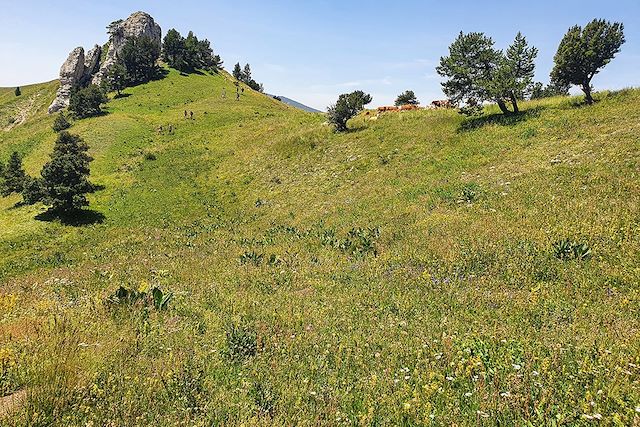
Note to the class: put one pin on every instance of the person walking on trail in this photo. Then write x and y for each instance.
(170, 129)
(224, 93)
(191, 113)
(185, 114)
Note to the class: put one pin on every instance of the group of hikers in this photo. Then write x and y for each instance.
(189, 114)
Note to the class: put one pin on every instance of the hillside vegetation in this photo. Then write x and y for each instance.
(411, 271)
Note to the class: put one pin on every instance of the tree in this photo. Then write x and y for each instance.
(477, 72)
(407, 98)
(18, 92)
(173, 50)
(237, 72)
(117, 78)
(86, 102)
(584, 52)
(518, 68)
(14, 176)
(60, 123)
(139, 56)
(65, 182)
(347, 106)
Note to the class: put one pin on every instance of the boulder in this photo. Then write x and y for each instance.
(71, 73)
(140, 24)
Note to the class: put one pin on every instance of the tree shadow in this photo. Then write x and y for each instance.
(79, 218)
(499, 119)
(122, 95)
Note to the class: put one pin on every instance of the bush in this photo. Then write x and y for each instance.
(407, 98)
(18, 92)
(155, 298)
(87, 102)
(61, 123)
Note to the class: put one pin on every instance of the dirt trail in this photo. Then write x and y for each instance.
(23, 110)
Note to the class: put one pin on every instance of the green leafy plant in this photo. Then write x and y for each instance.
(251, 257)
(567, 250)
(242, 341)
(155, 298)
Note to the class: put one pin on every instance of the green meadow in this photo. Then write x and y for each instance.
(416, 270)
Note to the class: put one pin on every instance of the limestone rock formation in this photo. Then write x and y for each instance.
(71, 73)
(80, 70)
(140, 24)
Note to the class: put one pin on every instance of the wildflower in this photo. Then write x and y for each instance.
(638, 409)
(449, 378)
(505, 394)
(407, 405)
(516, 366)
(468, 394)
(535, 373)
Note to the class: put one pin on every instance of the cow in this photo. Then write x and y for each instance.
(409, 107)
(445, 103)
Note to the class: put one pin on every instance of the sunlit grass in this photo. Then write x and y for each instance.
(260, 220)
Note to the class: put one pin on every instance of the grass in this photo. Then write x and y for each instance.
(400, 274)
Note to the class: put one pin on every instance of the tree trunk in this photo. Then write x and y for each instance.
(586, 88)
(503, 107)
(514, 102)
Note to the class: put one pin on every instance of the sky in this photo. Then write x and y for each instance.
(314, 50)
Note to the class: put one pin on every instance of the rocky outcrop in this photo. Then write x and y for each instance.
(91, 63)
(80, 70)
(140, 24)
(71, 74)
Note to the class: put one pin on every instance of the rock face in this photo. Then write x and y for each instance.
(71, 73)
(140, 24)
(80, 70)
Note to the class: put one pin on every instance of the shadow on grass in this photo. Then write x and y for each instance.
(122, 95)
(499, 119)
(75, 219)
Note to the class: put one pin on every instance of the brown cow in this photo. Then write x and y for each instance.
(409, 107)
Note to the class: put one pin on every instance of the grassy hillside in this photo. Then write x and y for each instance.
(402, 273)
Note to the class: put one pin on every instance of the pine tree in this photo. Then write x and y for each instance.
(117, 78)
(407, 98)
(14, 176)
(347, 106)
(584, 52)
(86, 102)
(173, 50)
(477, 72)
(246, 73)
(60, 123)
(237, 72)
(65, 177)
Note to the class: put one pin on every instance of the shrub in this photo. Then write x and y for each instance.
(18, 92)
(87, 102)
(61, 123)
(264, 397)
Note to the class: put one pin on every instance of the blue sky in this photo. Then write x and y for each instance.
(313, 50)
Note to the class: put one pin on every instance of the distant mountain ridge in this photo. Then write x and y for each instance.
(296, 104)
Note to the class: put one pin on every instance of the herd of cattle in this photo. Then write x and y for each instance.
(433, 106)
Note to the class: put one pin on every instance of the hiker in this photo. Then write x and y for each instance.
(191, 115)
(224, 93)
(185, 114)
(170, 129)
(160, 130)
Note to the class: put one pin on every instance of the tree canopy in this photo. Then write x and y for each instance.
(407, 97)
(347, 106)
(188, 54)
(244, 75)
(477, 72)
(583, 52)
